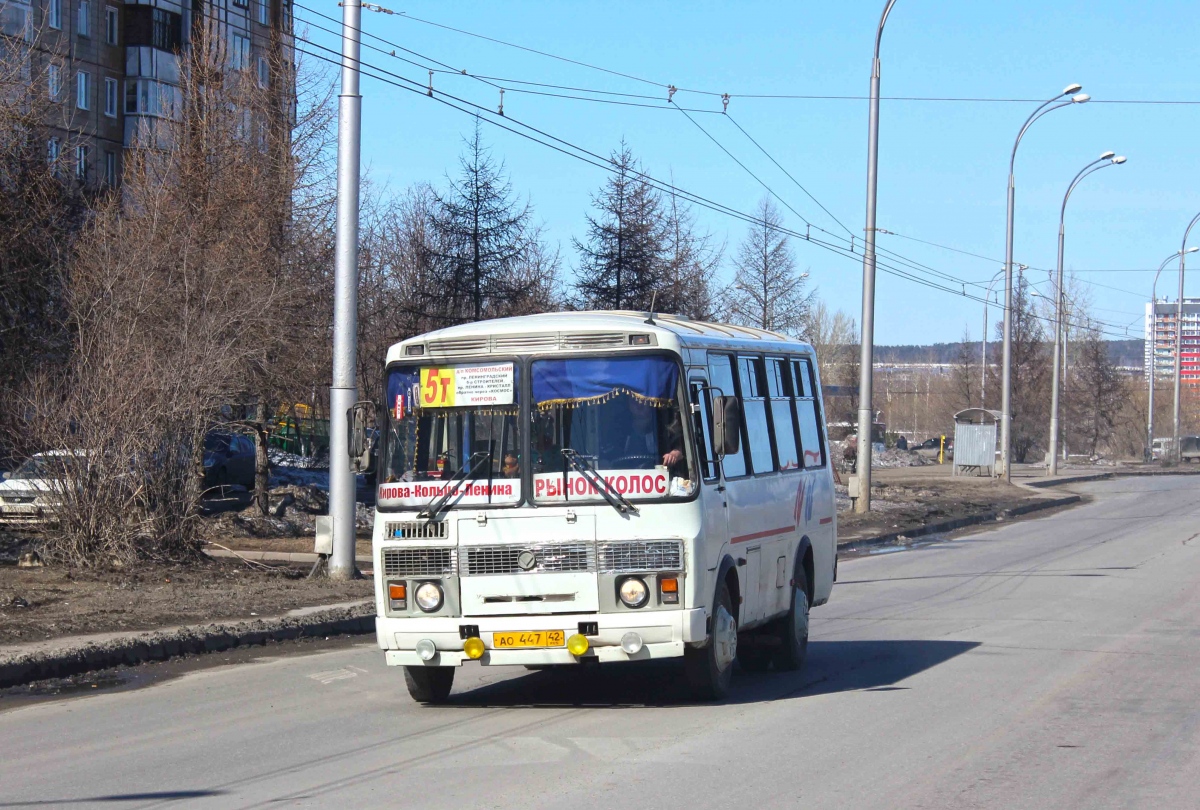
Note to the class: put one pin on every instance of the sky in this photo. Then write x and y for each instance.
(942, 164)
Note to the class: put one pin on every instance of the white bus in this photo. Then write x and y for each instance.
(598, 487)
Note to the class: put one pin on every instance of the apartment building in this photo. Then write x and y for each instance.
(1160, 340)
(112, 67)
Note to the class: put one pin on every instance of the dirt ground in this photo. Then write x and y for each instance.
(43, 603)
(289, 544)
(902, 499)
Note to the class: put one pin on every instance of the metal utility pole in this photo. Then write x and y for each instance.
(983, 349)
(866, 415)
(1153, 340)
(344, 391)
(1006, 378)
(1096, 165)
(1175, 448)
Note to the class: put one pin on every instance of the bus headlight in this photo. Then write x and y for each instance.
(633, 592)
(429, 596)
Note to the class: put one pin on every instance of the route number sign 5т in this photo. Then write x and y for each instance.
(464, 386)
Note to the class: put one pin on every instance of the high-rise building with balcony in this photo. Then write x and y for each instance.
(1160, 340)
(112, 67)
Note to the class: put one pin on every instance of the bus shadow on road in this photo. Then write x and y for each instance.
(833, 666)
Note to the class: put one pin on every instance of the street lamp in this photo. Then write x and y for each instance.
(1006, 400)
(1179, 339)
(866, 416)
(1153, 345)
(1106, 159)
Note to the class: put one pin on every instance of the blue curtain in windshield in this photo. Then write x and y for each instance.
(653, 380)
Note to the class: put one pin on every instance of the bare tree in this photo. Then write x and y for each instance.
(964, 375)
(1031, 368)
(623, 258)
(834, 337)
(767, 290)
(1101, 389)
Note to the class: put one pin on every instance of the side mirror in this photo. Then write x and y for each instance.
(360, 420)
(727, 427)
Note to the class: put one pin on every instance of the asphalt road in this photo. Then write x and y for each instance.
(1047, 663)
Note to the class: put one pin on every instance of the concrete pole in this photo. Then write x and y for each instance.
(1107, 159)
(1175, 448)
(1006, 377)
(1152, 339)
(344, 391)
(866, 414)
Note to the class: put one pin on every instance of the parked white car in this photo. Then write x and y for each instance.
(30, 494)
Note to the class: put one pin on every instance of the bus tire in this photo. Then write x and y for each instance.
(709, 669)
(793, 628)
(429, 684)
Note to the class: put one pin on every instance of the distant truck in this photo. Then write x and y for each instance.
(1189, 448)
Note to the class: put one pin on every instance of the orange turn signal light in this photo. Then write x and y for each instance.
(669, 585)
(397, 591)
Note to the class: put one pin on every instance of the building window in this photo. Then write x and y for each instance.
(83, 25)
(14, 21)
(239, 52)
(167, 30)
(112, 24)
(242, 3)
(264, 12)
(54, 14)
(110, 97)
(264, 72)
(83, 90)
(54, 79)
(110, 168)
(148, 97)
(52, 151)
(81, 162)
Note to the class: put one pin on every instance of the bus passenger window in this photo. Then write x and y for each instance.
(702, 428)
(779, 384)
(808, 410)
(754, 407)
(721, 377)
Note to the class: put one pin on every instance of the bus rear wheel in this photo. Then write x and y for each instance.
(709, 669)
(429, 684)
(793, 628)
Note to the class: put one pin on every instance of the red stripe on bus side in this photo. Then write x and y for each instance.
(826, 520)
(742, 538)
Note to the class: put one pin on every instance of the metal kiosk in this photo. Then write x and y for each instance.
(975, 441)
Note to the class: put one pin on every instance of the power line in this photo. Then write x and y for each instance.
(599, 162)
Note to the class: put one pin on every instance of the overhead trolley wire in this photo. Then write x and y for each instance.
(591, 158)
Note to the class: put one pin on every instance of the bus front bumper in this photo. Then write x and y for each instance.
(663, 633)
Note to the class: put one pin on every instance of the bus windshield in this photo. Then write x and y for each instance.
(438, 418)
(621, 414)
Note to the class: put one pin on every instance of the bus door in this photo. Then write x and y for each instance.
(713, 503)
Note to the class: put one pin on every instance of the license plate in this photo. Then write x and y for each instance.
(530, 638)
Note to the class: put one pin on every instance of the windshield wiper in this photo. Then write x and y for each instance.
(439, 502)
(584, 467)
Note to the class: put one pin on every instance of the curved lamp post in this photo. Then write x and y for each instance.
(1175, 448)
(1055, 103)
(1153, 345)
(1105, 160)
(866, 415)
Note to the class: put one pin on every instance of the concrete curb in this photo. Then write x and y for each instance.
(1042, 483)
(20, 667)
(893, 538)
(275, 556)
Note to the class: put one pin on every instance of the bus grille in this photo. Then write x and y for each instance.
(642, 555)
(418, 529)
(419, 562)
(555, 557)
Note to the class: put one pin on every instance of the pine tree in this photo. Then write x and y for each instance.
(767, 292)
(483, 230)
(692, 261)
(623, 261)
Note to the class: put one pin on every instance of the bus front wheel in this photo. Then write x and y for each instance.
(709, 669)
(429, 684)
